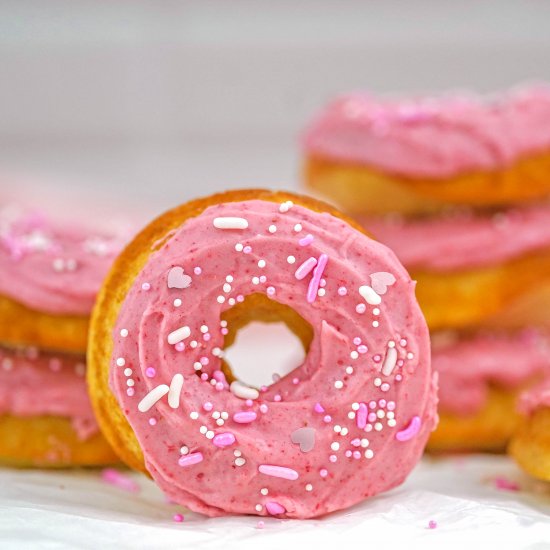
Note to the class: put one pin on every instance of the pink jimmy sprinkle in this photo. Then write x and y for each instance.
(505, 484)
(120, 480)
(410, 431)
(318, 408)
(224, 439)
(274, 508)
(305, 268)
(315, 279)
(308, 239)
(244, 417)
(278, 471)
(189, 460)
(361, 416)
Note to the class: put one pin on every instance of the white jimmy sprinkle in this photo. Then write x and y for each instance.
(244, 392)
(389, 361)
(178, 335)
(369, 295)
(152, 397)
(230, 223)
(175, 391)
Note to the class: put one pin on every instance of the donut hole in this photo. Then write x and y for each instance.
(265, 341)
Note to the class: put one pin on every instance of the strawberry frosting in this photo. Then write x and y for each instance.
(54, 267)
(433, 137)
(464, 239)
(34, 383)
(348, 423)
(468, 367)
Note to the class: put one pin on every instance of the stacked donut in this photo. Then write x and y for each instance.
(458, 187)
(49, 275)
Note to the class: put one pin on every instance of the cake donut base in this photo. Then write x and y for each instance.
(530, 446)
(21, 326)
(49, 442)
(360, 189)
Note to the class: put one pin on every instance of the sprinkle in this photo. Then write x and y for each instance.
(178, 518)
(410, 431)
(361, 418)
(291, 259)
(120, 362)
(224, 439)
(272, 228)
(389, 361)
(175, 391)
(261, 264)
(278, 471)
(190, 459)
(369, 453)
(239, 247)
(197, 271)
(309, 487)
(432, 524)
(177, 302)
(178, 335)
(238, 389)
(230, 223)
(315, 279)
(342, 291)
(308, 239)
(270, 290)
(261, 524)
(318, 408)
(305, 268)
(124, 332)
(506, 484)
(220, 299)
(274, 508)
(298, 227)
(338, 384)
(244, 417)
(323, 472)
(152, 397)
(184, 450)
(239, 461)
(194, 415)
(369, 295)
(127, 372)
(120, 480)
(264, 491)
(145, 286)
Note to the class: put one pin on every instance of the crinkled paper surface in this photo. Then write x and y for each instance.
(40, 509)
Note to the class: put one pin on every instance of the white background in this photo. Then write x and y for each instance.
(159, 101)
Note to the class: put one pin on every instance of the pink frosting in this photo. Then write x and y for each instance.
(34, 383)
(468, 367)
(350, 422)
(535, 398)
(464, 240)
(433, 137)
(53, 267)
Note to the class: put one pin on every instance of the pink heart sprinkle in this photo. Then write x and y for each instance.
(177, 279)
(305, 437)
(380, 281)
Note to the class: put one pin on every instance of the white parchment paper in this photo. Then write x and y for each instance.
(76, 509)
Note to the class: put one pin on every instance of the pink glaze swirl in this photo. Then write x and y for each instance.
(297, 448)
(433, 137)
(469, 366)
(50, 266)
(35, 383)
(465, 240)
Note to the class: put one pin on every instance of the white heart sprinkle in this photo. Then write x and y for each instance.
(305, 437)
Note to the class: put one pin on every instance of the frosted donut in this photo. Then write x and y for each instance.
(350, 422)
(480, 377)
(530, 445)
(46, 418)
(419, 154)
(475, 269)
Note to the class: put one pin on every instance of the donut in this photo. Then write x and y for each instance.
(420, 154)
(46, 418)
(480, 378)
(475, 269)
(530, 445)
(50, 272)
(348, 423)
